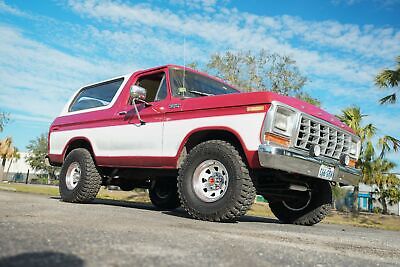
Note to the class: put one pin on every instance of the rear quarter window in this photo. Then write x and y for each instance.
(97, 95)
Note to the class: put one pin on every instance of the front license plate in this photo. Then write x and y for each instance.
(326, 172)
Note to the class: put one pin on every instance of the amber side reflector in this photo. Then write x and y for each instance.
(352, 163)
(255, 108)
(276, 139)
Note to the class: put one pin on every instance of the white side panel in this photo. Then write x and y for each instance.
(146, 140)
(124, 140)
(248, 126)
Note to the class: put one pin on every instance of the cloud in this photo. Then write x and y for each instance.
(385, 122)
(37, 80)
(206, 5)
(381, 3)
(367, 41)
(327, 48)
(40, 120)
(346, 2)
(4, 8)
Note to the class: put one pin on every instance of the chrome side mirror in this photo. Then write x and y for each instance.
(137, 93)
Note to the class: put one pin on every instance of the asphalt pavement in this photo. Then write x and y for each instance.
(43, 231)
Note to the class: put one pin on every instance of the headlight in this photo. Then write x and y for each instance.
(283, 121)
(279, 124)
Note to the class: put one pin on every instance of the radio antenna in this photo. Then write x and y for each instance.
(184, 47)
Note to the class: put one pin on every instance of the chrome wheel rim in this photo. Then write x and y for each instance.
(73, 175)
(210, 180)
(299, 205)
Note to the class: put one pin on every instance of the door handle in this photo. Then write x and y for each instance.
(175, 105)
(122, 113)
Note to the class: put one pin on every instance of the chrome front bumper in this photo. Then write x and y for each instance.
(290, 160)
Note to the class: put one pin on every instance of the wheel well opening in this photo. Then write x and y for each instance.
(79, 143)
(202, 136)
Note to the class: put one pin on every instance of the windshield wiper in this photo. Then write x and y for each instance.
(200, 93)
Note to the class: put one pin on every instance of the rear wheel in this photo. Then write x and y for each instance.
(309, 208)
(163, 194)
(79, 179)
(214, 183)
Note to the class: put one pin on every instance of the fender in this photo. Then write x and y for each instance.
(251, 156)
(55, 158)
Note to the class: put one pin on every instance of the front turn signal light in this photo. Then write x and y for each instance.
(283, 141)
(352, 163)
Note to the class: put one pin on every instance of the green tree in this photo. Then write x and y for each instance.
(368, 161)
(389, 79)
(37, 151)
(391, 194)
(387, 183)
(4, 119)
(6, 152)
(259, 72)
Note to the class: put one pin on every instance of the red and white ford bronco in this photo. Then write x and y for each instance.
(195, 141)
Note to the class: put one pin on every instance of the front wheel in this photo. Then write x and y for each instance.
(214, 183)
(309, 208)
(79, 179)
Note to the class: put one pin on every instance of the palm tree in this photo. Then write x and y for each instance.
(353, 117)
(6, 151)
(386, 182)
(15, 156)
(389, 78)
(388, 143)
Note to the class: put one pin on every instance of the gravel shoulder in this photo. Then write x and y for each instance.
(43, 231)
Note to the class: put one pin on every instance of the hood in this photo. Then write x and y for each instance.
(254, 98)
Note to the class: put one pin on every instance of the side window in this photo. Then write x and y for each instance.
(155, 85)
(97, 95)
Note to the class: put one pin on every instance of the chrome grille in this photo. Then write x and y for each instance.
(333, 142)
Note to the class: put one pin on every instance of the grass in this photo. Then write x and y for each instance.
(28, 188)
(53, 191)
(369, 220)
(261, 209)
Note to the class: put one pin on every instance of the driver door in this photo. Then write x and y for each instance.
(140, 144)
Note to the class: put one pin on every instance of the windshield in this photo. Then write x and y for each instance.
(193, 84)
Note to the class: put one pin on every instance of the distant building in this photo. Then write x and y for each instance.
(17, 170)
(367, 200)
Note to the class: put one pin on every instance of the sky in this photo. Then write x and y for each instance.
(49, 49)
